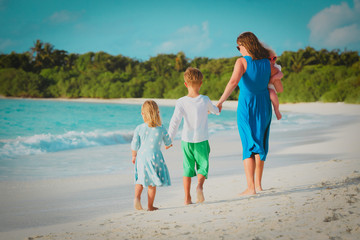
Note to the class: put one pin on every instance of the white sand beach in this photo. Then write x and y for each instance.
(311, 191)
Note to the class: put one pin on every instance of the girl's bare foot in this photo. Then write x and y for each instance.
(137, 204)
(152, 208)
(248, 192)
(200, 195)
(278, 114)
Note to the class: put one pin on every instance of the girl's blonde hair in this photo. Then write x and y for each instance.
(150, 112)
(253, 45)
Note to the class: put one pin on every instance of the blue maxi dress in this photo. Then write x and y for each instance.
(254, 108)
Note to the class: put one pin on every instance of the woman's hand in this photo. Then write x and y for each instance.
(219, 106)
(133, 159)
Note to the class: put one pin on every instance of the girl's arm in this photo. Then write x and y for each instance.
(239, 70)
(134, 153)
(135, 144)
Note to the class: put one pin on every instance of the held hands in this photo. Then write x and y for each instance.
(167, 147)
(219, 106)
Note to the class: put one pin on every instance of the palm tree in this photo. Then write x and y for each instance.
(37, 50)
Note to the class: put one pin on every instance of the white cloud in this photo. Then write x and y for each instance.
(63, 17)
(337, 26)
(190, 39)
(5, 43)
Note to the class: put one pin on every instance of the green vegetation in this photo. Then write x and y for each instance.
(309, 75)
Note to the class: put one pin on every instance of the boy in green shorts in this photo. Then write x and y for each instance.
(194, 109)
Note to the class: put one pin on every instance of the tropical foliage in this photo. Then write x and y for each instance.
(44, 71)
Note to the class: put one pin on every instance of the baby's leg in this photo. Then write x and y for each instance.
(275, 101)
(151, 198)
(199, 189)
(137, 201)
(187, 185)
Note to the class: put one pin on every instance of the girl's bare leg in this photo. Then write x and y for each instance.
(151, 198)
(199, 188)
(249, 166)
(259, 167)
(187, 185)
(275, 101)
(137, 199)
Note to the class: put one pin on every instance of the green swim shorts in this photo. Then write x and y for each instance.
(195, 154)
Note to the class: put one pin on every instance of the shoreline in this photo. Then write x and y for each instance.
(302, 107)
(311, 200)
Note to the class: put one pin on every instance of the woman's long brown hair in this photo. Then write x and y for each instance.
(253, 45)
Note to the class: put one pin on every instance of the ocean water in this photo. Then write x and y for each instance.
(42, 139)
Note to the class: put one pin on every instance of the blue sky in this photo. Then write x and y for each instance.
(142, 29)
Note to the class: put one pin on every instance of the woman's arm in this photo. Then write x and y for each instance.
(239, 70)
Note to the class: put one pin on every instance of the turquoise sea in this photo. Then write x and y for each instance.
(42, 139)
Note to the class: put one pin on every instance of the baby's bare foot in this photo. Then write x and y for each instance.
(248, 192)
(200, 195)
(137, 204)
(152, 208)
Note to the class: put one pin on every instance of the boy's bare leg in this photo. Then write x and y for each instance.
(275, 101)
(259, 167)
(249, 166)
(137, 202)
(151, 198)
(187, 185)
(199, 188)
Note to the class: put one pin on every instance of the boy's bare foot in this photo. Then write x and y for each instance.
(152, 208)
(137, 204)
(200, 195)
(278, 114)
(248, 192)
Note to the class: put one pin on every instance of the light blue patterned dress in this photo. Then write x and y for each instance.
(150, 166)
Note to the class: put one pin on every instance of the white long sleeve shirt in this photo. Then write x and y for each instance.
(195, 114)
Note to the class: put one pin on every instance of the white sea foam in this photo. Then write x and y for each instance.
(45, 143)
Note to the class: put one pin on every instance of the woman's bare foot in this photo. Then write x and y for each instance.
(137, 204)
(278, 114)
(200, 195)
(152, 208)
(188, 201)
(248, 192)
(259, 189)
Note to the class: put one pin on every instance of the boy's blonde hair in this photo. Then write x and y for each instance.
(151, 114)
(193, 76)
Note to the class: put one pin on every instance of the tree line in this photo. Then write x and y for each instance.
(43, 71)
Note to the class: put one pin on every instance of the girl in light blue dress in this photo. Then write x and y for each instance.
(150, 167)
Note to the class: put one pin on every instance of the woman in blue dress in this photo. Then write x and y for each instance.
(252, 74)
(150, 167)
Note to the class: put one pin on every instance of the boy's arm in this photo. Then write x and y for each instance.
(212, 108)
(175, 122)
(167, 139)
